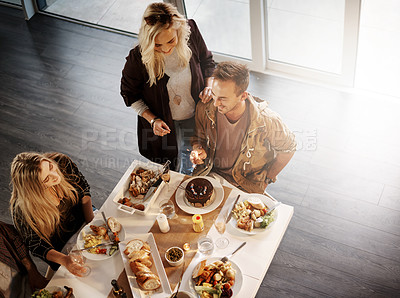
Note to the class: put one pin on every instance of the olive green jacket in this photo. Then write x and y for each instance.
(266, 136)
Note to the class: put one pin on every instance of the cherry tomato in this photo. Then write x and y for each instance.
(227, 286)
(101, 250)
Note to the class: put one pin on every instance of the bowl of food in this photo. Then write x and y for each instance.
(174, 256)
(183, 294)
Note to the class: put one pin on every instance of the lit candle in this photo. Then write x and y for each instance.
(163, 223)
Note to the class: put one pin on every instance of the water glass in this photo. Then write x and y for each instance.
(205, 245)
(167, 207)
(79, 258)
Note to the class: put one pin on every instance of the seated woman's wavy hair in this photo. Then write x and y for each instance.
(157, 17)
(30, 204)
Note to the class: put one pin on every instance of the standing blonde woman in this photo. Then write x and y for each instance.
(163, 79)
(50, 201)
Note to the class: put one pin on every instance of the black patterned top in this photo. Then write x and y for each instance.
(72, 217)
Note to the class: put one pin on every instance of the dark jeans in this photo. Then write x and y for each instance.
(184, 132)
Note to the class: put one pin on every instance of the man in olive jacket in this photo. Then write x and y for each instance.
(238, 136)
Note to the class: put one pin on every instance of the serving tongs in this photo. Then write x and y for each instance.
(157, 182)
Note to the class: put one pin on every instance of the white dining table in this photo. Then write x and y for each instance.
(253, 259)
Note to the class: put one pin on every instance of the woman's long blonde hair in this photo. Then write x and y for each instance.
(29, 203)
(153, 60)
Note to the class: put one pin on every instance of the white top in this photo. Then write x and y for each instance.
(179, 86)
(139, 107)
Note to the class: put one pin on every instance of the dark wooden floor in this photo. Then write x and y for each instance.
(59, 91)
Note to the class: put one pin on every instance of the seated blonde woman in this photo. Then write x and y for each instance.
(50, 202)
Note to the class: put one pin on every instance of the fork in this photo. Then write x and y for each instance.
(226, 258)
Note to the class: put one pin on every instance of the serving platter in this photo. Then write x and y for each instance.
(184, 205)
(157, 268)
(149, 197)
(238, 277)
(81, 242)
(267, 202)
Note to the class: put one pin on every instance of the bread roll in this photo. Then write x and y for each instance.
(148, 281)
(256, 203)
(138, 267)
(114, 225)
(151, 284)
(136, 245)
(138, 255)
(146, 261)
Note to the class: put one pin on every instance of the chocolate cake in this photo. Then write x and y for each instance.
(199, 192)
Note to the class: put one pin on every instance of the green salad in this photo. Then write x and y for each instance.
(42, 294)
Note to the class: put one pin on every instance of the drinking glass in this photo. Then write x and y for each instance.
(167, 207)
(166, 177)
(79, 258)
(219, 223)
(205, 245)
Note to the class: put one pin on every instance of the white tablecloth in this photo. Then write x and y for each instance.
(253, 259)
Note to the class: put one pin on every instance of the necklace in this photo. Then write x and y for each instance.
(175, 71)
(177, 98)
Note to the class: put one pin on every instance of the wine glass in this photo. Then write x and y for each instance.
(165, 176)
(76, 256)
(219, 223)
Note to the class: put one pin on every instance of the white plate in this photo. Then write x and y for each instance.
(165, 289)
(81, 243)
(267, 201)
(189, 208)
(124, 190)
(238, 276)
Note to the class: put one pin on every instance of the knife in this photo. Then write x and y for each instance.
(94, 246)
(273, 208)
(112, 237)
(175, 295)
(230, 211)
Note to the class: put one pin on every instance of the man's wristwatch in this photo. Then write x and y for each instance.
(269, 180)
(152, 121)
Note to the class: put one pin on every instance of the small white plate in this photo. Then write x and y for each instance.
(81, 243)
(189, 208)
(267, 202)
(238, 276)
(137, 292)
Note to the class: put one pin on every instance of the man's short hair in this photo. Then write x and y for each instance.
(232, 71)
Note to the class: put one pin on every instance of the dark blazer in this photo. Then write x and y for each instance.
(135, 86)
